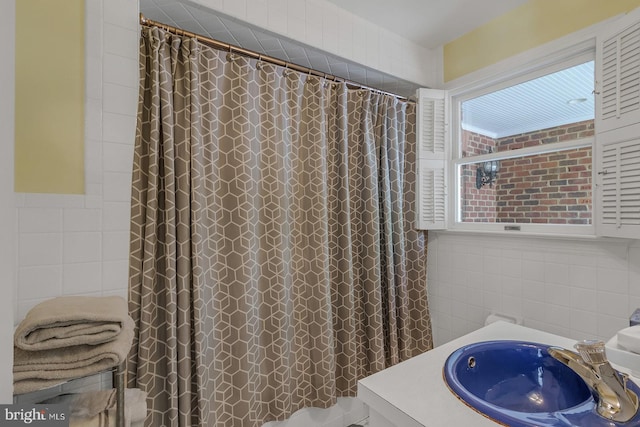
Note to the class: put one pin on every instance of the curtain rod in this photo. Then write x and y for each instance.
(216, 44)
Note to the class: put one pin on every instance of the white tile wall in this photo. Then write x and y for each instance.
(70, 244)
(323, 25)
(576, 288)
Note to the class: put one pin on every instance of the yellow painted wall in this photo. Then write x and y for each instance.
(49, 113)
(532, 24)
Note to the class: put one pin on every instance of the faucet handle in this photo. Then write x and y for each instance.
(592, 351)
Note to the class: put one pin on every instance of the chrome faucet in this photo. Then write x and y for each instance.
(615, 402)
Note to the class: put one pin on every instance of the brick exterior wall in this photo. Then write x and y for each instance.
(477, 205)
(552, 188)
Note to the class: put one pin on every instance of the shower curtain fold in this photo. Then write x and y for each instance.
(273, 260)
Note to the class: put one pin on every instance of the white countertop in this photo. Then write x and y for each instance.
(413, 393)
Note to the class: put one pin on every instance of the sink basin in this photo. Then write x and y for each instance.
(519, 384)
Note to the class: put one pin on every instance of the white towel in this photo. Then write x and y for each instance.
(35, 370)
(71, 320)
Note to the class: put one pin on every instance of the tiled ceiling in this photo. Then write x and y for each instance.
(193, 17)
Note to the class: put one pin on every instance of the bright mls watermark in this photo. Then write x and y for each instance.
(34, 415)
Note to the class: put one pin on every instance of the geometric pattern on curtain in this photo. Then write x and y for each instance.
(273, 257)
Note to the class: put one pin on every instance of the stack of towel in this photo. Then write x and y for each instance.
(70, 337)
(98, 408)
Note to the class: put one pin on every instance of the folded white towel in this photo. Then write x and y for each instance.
(35, 370)
(71, 320)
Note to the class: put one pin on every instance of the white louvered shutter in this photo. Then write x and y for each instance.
(432, 159)
(618, 74)
(617, 150)
(618, 185)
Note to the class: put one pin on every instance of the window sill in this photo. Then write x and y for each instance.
(589, 237)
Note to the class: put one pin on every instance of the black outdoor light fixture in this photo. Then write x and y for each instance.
(487, 172)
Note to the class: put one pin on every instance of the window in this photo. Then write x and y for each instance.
(523, 153)
(514, 146)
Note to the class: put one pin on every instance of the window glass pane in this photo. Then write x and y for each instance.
(540, 186)
(552, 108)
(549, 188)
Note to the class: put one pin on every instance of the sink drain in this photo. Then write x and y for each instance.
(471, 362)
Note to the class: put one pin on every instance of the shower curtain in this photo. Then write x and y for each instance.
(273, 260)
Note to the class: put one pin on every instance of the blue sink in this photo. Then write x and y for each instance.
(519, 384)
